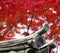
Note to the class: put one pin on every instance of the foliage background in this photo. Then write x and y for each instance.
(24, 17)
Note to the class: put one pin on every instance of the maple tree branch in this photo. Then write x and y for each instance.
(1, 23)
(8, 29)
(29, 25)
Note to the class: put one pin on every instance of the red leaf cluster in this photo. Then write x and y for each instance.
(14, 12)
